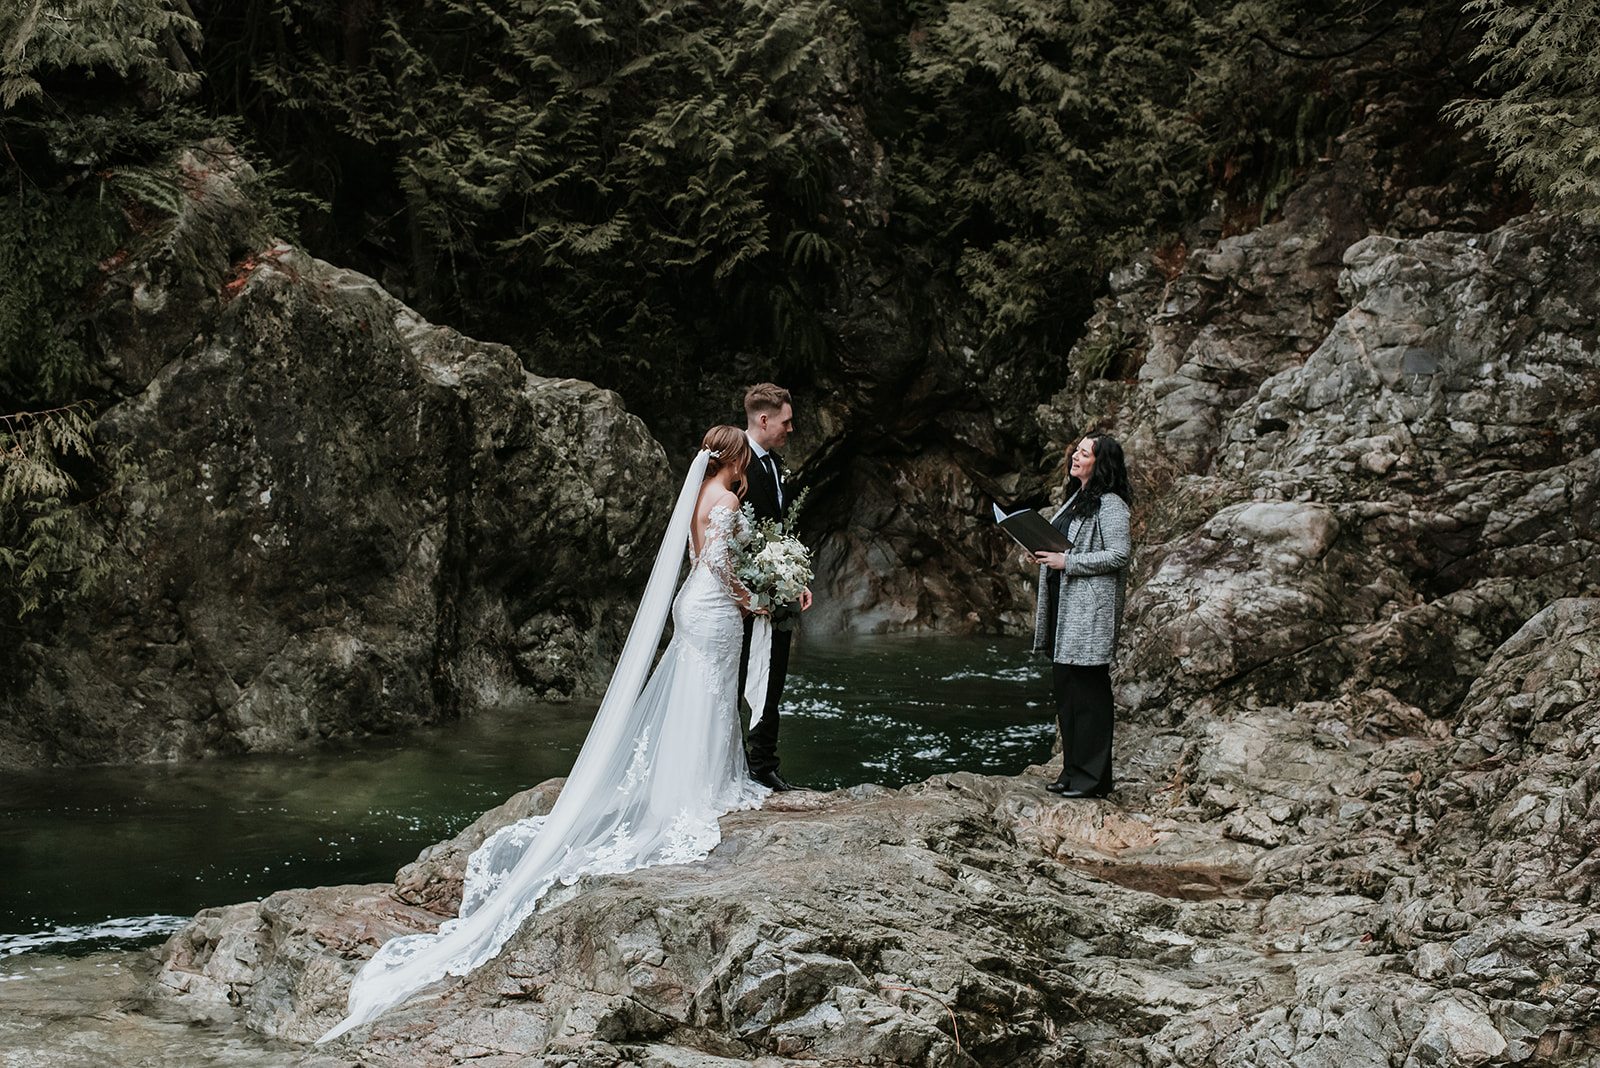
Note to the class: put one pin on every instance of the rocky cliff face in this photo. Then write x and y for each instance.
(1399, 504)
(1363, 438)
(345, 519)
(938, 425)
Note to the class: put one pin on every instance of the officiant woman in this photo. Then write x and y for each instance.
(1081, 591)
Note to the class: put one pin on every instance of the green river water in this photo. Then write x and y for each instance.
(92, 858)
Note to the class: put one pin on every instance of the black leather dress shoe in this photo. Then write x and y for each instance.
(1063, 790)
(771, 779)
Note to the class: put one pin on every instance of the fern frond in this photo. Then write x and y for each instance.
(50, 545)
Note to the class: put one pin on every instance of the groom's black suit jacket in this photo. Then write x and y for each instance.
(763, 493)
(762, 739)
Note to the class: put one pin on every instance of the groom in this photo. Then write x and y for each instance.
(769, 415)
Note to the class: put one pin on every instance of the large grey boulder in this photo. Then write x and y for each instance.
(343, 519)
(1399, 505)
(1525, 780)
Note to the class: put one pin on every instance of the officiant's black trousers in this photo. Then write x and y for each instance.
(1083, 712)
(761, 741)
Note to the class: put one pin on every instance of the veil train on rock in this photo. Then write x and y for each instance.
(638, 794)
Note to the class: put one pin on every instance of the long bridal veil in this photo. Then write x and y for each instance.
(615, 813)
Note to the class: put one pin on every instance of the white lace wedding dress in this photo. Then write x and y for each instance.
(660, 765)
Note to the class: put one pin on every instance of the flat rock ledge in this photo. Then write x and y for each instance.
(1305, 885)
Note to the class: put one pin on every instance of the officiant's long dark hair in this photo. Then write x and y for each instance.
(1110, 475)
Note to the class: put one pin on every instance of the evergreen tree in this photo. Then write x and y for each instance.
(1543, 121)
(81, 84)
(139, 42)
(1048, 139)
(614, 188)
(1051, 138)
(51, 544)
(85, 138)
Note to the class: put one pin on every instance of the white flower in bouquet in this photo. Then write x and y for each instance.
(779, 571)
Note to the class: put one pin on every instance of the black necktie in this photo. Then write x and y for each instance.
(772, 469)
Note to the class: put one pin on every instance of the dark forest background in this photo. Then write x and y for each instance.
(674, 198)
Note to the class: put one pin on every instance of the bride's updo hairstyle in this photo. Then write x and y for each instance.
(730, 448)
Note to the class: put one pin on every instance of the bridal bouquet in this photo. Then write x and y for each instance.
(774, 566)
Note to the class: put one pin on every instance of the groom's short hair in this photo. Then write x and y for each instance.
(765, 397)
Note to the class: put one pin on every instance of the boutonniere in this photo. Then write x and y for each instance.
(786, 474)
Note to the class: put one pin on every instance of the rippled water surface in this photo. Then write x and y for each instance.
(102, 856)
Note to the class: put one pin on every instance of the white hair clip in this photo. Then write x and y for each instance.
(714, 455)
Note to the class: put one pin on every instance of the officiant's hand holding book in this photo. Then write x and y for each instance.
(1032, 531)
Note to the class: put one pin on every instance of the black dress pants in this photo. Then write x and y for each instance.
(1083, 713)
(761, 741)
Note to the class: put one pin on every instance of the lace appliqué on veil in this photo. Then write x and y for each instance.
(689, 840)
(641, 754)
(490, 862)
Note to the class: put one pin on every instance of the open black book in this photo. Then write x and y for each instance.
(1032, 531)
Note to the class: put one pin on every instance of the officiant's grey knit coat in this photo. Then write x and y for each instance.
(1093, 586)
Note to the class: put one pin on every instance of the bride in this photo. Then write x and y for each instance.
(663, 760)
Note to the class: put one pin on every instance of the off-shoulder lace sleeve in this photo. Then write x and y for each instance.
(726, 531)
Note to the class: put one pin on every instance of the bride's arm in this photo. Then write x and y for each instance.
(721, 552)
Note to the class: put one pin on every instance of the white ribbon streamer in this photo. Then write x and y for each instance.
(759, 667)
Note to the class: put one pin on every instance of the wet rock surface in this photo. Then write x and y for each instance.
(345, 519)
(81, 1011)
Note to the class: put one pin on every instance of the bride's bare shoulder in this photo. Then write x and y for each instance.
(713, 498)
(725, 499)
